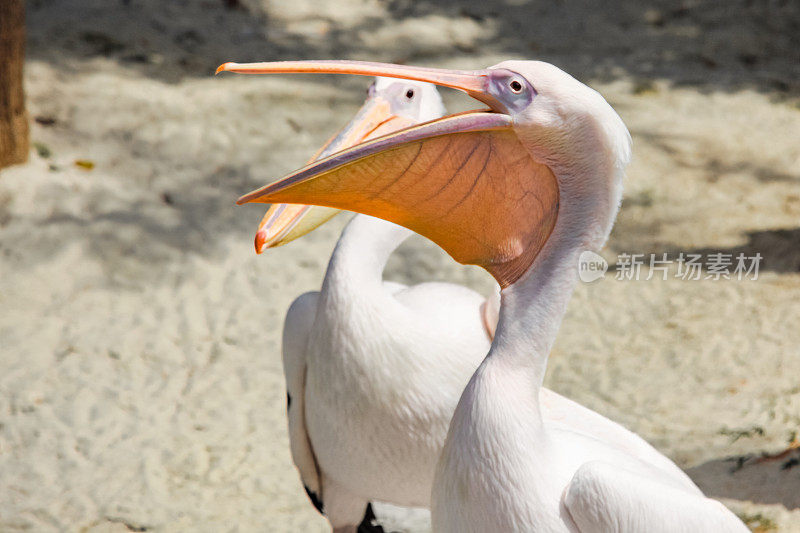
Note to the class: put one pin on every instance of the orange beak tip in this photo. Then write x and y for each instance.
(224, 67)
(260, 241)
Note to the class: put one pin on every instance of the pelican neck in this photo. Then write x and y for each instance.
(531, 311)
(362, 252)
(532, 308)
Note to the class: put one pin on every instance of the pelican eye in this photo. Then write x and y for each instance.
(510, 90)
(410, 94)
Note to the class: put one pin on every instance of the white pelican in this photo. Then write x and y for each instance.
(521, 189)
(373, 369)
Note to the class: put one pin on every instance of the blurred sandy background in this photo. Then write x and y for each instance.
(140, 377)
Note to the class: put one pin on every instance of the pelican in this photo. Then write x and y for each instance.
(373, 369)
(521, 189)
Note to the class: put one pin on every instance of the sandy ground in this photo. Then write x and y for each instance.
(140, 377)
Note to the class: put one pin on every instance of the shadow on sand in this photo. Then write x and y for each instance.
(752, 479)
(702, 43)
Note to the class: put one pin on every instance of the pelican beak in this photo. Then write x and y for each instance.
(472, 82)
(284, 223)
(465, 181)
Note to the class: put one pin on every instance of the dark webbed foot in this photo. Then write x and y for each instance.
(369, 523)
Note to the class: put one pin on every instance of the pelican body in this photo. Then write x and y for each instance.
(521, 189)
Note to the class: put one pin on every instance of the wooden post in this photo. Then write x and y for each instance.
(13, 118)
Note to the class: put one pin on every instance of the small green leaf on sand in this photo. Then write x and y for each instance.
(758, 522)
(644, 87)
(42, 149)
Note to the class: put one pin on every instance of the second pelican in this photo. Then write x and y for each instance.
(373, 369)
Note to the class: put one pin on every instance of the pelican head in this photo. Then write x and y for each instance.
(573, 130)
(486, 185)
(391, 105)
